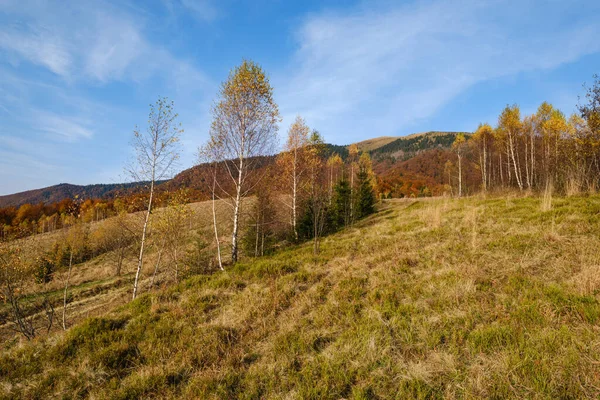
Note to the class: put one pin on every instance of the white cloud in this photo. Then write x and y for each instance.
(117, 46)
(202, 9)
(59, 126)
(380, 71)
(39, 47)
(90, 42)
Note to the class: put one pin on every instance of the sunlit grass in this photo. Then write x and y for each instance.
(469, 298)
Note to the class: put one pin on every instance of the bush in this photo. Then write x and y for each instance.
(44, 269)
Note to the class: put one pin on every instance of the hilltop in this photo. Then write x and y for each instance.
(431, 298)
(372, 144)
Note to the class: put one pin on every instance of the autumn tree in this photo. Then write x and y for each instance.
(459, 148)
(352, 159)
(481, 140)
(292, 164)
(263, 224)
(76, 242)
(365, 198)
(169, 230)
(116, 236)
(211, 156)
(244, 127)
(318, 192)
(157, 150)
(590, 109)
(15, 276)
(509, 122)
(334, 162)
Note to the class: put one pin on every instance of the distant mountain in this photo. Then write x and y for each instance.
(56, 193)
(386, 151)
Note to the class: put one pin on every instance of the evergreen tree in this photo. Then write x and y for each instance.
(342, 199)
(365, 196)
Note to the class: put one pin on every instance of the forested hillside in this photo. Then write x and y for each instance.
(58, 193)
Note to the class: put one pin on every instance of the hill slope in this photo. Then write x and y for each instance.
(408, 146)
(372, 144)
(448, 298)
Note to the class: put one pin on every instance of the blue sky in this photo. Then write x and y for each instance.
(77, 76)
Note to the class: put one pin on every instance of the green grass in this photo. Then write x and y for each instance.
(470, 298)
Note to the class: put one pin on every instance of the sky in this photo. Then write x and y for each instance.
(77, 76)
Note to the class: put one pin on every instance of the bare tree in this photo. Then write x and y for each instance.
(170, 229)
(75, 241)
(157, 150)
(15, 275)
(244, 127)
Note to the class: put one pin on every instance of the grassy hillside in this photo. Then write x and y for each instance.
(437, 298)
(372, 144)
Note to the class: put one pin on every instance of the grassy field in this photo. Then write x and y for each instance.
(441, 298)
(94, 289)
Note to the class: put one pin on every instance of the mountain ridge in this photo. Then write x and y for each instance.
(382, 148)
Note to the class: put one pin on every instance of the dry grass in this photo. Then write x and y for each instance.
(375, 143)
(465, 298)
(547, 198)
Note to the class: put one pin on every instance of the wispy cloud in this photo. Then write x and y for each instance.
(58, 126)
(202, 9)
(38, 46)
(87, 41)
(385, 69)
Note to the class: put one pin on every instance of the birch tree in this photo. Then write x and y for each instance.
(157, 150)
(481, 139)
(244, 127)
(459, 147)
(334, 162)
(293, 166)
(318, 192)
(510, 122)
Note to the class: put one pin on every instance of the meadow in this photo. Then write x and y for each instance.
(436, 298)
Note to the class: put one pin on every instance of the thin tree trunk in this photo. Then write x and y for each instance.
(351, 193)
(294, 195)
(64, 313)
(236, 214)
(257, 233)
(500, 168)
(512, 154)
(141, 256)
(157, 264)
(120, 256)
(214, 213)
(459, 175)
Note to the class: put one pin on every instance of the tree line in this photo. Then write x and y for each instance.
(546, 151)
